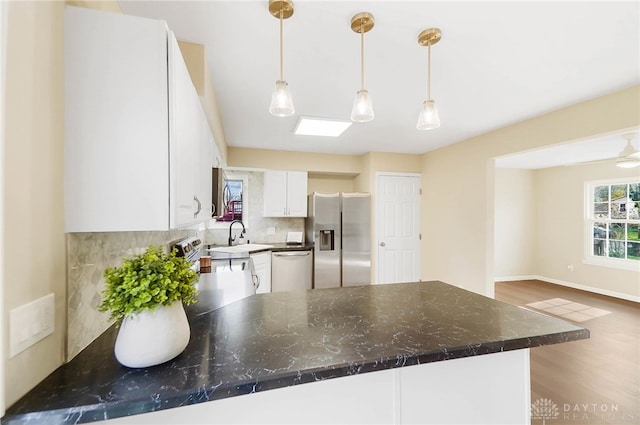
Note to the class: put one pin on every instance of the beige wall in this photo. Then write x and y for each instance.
(539, 229)
(293, 161)
(515, 222)
(209, 103)
(328, 183)
(33, 241)
(462, 174)
(195, 58)
(3, 56)
(106, 5)
(561, 230)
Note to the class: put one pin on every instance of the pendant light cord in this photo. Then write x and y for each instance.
(362, 52)
(429, 73)
(281, 61)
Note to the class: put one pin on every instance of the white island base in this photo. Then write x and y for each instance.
(486, 389)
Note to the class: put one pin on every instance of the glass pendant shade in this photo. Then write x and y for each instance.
(428, 118)
(362, 107)
(281, 100)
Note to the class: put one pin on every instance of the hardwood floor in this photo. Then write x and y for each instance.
(593, 381)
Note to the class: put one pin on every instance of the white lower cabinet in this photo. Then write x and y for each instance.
(262, 266)
(487, 389)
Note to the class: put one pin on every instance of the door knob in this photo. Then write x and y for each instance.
(382, 244)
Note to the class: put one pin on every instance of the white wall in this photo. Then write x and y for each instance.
(515, 222)
(561, 230)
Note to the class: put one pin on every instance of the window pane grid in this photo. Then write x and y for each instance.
(614, 221)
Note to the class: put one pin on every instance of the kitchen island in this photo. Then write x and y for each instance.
(245, 361)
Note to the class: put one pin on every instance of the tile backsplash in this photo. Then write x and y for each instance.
(89, 254)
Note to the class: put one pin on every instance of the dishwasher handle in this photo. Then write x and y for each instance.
(292, 254)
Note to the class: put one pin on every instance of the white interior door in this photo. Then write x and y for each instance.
(398, 227)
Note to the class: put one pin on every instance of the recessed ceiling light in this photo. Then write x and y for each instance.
(314, 126)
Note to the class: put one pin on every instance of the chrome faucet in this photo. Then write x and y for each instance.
(243, 231)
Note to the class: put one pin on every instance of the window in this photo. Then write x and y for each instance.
(235, 198)
(232, 200)
(613, 222)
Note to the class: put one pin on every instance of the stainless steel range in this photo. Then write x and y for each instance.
(190, 248)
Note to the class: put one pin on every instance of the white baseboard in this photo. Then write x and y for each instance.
(512, 278)
(600, 291)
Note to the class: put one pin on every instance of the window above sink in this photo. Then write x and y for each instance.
(236, 200)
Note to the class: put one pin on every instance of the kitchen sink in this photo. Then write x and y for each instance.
(241, 248)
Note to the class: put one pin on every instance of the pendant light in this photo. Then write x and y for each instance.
(281, 101)
(362, 107)
(428, 118)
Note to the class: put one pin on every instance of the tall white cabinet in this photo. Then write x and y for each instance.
(285, 193)
(138, 149)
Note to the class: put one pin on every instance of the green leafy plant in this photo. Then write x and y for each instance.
(147, 281)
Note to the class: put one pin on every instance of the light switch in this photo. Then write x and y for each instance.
(30, 323)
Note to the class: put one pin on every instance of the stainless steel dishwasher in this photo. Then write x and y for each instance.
(291, 270)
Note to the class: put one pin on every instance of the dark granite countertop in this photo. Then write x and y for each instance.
(276, 340)
(275, 247)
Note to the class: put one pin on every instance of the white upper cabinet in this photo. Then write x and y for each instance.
(138, 150)
(296, 194)
(285, 193)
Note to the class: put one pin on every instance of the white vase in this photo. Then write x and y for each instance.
(152, 337)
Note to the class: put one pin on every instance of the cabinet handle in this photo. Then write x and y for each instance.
(293, 254)
(195, 198)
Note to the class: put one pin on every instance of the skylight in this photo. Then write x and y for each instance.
(327, 127)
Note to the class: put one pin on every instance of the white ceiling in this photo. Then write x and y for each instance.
(497, 63)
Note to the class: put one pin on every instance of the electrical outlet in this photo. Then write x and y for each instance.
(271, 230)
(570, 267)
(30, 323)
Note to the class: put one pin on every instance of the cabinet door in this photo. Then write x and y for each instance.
(296, 194)
(275, 193)
(204, 180)
(262, 265)
(205, 164)
(191, 150)
(184, 132)
(116, 173)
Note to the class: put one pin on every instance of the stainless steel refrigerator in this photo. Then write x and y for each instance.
(339, 225)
